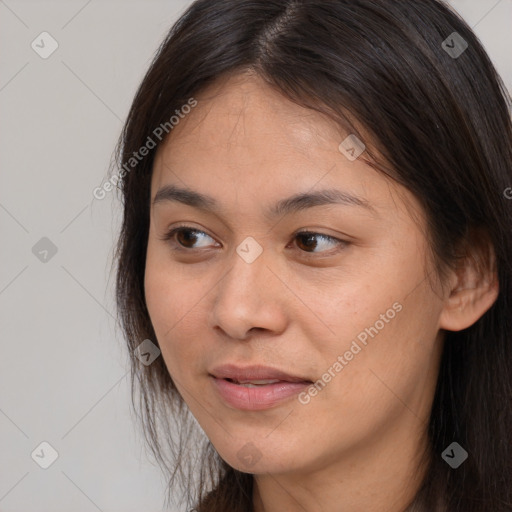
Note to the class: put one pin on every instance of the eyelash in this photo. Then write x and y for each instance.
(169, 236)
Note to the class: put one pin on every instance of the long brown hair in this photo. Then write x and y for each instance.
(439, 112)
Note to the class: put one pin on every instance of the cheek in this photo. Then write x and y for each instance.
(371, 282)
(388, 365)
(168, 295)
(161, 292)
(175, 308)
(384, 328)
(156, 290)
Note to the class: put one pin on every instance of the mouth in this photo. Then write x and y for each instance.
(256, 387)
(256, 374)
(254, 383)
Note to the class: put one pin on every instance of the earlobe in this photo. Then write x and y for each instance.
(475, 291)
(465, 307)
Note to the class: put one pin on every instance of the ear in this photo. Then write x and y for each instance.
(474, 285)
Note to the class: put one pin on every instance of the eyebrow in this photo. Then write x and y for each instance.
(292, 204)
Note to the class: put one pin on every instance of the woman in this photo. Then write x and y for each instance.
(316, 236)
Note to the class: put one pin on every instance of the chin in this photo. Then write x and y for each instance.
(260, 455)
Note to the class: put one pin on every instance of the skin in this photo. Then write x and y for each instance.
(360, 441)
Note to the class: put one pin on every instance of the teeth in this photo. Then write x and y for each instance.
(255, 383)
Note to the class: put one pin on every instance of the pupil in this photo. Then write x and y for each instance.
(188, 236)
(310, 241)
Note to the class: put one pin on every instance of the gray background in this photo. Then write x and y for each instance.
(63, 366)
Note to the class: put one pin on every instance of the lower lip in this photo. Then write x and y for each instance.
(257, 398)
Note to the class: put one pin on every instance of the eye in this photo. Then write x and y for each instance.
(307, 241)
(184, 238)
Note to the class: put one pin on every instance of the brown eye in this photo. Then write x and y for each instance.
(186, 238)
(308, 241)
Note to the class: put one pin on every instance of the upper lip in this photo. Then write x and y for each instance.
(255, 372)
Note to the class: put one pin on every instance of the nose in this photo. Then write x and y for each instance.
(250, 297)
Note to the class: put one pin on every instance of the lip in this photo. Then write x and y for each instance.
(260, 397)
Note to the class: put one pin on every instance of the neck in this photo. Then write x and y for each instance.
(384, 474)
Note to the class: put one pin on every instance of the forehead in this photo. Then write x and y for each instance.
(245, 138)
(238, 110)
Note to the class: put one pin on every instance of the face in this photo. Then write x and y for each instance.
(300, 331)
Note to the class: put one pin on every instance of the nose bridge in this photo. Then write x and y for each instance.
(244, 298)
(248, 271)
